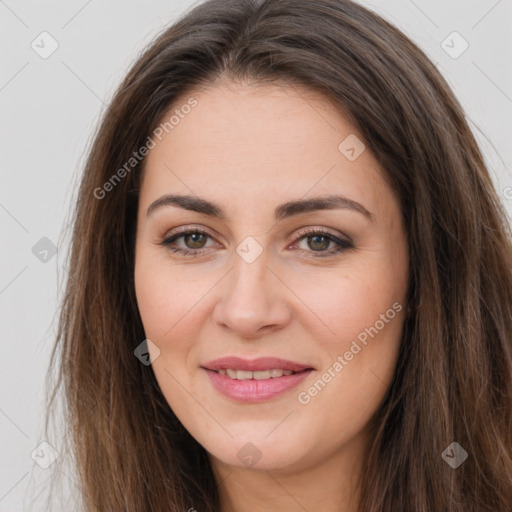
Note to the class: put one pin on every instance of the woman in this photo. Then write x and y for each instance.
(290, 282)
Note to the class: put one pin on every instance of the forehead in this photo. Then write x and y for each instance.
(251, 142)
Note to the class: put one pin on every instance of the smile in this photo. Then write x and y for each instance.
(256, 375)
(256, 380)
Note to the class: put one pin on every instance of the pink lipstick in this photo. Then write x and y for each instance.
(255, 380)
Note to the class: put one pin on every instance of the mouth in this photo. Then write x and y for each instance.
(255, 380)
(261, 364)
(274, 373)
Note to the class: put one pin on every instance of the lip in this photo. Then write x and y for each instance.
(262, 363)
(252, 390)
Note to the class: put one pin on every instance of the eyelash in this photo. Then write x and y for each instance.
(342, 245)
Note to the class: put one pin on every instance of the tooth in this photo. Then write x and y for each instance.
(243, 374)
(257, 375)
(264, 374)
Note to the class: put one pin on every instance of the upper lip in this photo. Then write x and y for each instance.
(259, 364)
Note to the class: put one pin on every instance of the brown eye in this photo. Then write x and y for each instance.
(194, 240)
(318, 243)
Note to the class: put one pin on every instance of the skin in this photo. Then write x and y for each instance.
(250, 148)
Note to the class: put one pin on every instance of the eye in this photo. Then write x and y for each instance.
(194, 241)
(318, 240)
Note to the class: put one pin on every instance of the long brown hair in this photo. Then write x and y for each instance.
(453, 380)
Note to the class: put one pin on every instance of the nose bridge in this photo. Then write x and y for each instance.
(251, 258)
(249, 278)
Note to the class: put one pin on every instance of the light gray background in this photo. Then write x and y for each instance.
(49, 108)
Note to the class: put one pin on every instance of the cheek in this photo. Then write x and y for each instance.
(159, 308)
(155, 301)
(173, 308)
(167, 315)
(170, 315)
(357, 370)
(350, 302)
(363, 313)
(163, 299)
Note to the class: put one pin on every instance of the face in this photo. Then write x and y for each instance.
(250, 279)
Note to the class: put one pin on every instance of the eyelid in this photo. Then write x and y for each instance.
(186, 229)
(308, 230)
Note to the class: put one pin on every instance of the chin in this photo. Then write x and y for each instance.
(281, 453)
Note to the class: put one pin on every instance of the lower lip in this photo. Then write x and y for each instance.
(251, 390)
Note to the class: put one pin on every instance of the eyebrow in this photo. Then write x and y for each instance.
(288, 209)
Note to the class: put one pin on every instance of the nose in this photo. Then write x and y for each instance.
(253, 300)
